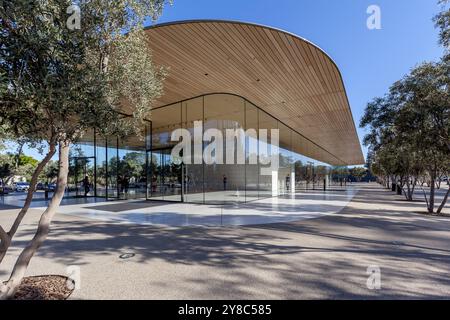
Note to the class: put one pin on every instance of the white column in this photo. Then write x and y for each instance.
(292, 184)
(274, 183)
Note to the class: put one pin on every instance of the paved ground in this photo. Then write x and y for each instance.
(326, 257)
(293, 207)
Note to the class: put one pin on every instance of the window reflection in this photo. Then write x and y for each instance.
(135, 168)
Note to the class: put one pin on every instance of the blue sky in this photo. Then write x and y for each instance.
(369, 60)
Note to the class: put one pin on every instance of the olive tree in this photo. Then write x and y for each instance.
(62, 82)
(409, 129)
(425, 118)
(442, 21)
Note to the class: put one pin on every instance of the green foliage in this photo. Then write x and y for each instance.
(27, 160)
(60, 82)
(358, 172)
(50, 172)
(10, 167)
(340, 172)
(409, 128)
(442, 21)
(413, 119)
(6, 166)
(132, 165)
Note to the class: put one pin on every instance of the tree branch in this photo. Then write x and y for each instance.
(3, 234)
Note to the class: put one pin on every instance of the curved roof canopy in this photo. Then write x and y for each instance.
(285, 75)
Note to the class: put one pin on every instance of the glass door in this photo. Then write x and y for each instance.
(82, 177)
(165, 176)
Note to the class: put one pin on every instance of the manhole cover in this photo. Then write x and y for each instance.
(126, 256)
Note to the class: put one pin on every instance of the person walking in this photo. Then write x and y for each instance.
(225, 180)
(86, 185)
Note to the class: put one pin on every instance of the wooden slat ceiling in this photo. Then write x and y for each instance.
(288, 77)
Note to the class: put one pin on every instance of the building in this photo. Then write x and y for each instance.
(228, 75)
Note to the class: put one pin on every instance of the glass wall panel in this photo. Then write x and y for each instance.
(111, 168)
(165, 173)
(322, 171)
(192, 113)
(225, 122)
(286, 161)
(268, 182)
(252, 171)
(233, 175)
(154, 163)
(302, 163)
(100, 154)
(81, 178)
(164, 121)
(84, 147)
(131, 176)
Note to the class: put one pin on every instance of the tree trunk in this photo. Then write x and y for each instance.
(432, 193)
(5, 240)
(8, 290)
(408, 193)
(9, 236)
(19, 153)
(413, 188)
(425, 196)
(444, 201)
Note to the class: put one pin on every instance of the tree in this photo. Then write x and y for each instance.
(65, 82)
(409, 132)
(6, 167)
(358, 173)
(425, 117)
(339, 173)
(31, 81)
(442, 21)
(50, 172)
(13, 165)
(409, 129)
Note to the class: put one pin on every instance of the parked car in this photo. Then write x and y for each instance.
(44, 186)
(22, 186)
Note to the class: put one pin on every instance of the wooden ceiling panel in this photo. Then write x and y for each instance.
(288, 77)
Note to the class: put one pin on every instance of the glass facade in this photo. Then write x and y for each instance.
(219, 177)
(135, 168)
(113, 168)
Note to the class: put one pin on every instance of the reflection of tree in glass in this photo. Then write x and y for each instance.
(130, 169)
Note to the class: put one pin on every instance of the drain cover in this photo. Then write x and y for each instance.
(126, 256)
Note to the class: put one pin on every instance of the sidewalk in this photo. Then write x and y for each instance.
(322, 258)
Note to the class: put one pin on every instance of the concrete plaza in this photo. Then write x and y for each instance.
(311, 246)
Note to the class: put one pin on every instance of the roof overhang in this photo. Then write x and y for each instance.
(287, 76)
